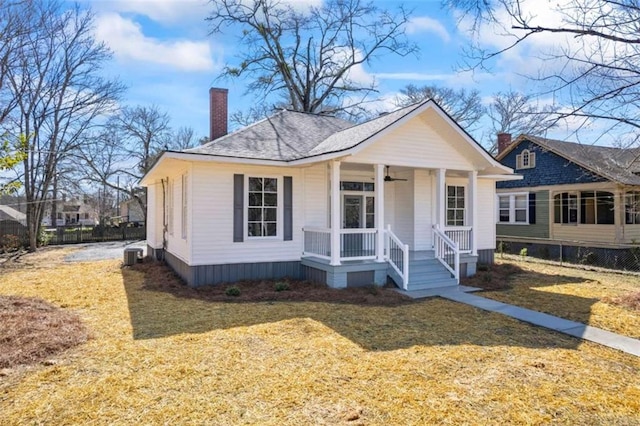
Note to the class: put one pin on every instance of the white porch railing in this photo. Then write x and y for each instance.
(355, 244)
(460, 235)
(317, 242)
(447, 252)
(397, 254)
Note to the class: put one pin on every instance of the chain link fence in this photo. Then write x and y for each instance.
(624, 257)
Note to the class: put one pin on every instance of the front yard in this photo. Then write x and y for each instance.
(163, 354)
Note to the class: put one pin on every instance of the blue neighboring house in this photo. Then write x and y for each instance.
(578, 194)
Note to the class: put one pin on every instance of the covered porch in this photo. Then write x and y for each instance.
(415, 225)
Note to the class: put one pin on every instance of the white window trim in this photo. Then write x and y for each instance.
(446, 204)
(531, 157)
(629, 200)
(512, 207)
(279, 208)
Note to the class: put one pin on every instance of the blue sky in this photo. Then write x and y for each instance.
(164, 54)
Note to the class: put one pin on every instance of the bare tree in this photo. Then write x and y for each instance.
(516, 113)
(59, 93)
(310, 57)
(465, 107)
(127, 146)
(595, 70)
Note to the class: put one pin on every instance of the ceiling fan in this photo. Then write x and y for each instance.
(388, 178)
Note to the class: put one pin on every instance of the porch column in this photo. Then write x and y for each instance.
(441, 194)
(335, 213)
(379, 212)
(473, 210)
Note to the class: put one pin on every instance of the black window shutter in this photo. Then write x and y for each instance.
(288, 208)
(238, 208)
(532, 208)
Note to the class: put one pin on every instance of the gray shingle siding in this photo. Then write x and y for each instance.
(550, 169)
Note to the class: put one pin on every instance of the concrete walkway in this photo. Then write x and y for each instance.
(572, 328)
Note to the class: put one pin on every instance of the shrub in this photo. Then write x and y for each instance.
(482, 267)
(282, 286)
(524, 252)
(233, 291)
(373, 289)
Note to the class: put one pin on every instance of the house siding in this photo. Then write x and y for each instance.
(538, 230)
(212, 216)
(485, 228)
(422, 147)
(404, 212)
(550, 169)
(154, 237)
(423, 219)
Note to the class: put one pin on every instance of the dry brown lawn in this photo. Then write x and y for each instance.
(161, 357)
(598, 298)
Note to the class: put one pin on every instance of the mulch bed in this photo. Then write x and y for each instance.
(493, 277)
(33, 330)
(159, 277)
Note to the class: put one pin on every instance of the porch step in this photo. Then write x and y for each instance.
(426, 273)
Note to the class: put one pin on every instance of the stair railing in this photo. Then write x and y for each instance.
(447, 252)
(397, 254)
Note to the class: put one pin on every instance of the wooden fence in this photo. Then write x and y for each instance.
(92, 234)
(13, 234)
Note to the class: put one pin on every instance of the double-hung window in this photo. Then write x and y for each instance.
(455, 205)
(513, 208)
(262, 212)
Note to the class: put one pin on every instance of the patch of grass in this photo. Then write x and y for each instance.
(597, 298)
(164, 353)
(629, 301)
(33, 330)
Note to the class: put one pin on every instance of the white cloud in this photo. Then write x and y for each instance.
(415, 76)
(163, 11)
(427, 24)
(128, 42)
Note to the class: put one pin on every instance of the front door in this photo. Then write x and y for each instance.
(357, 213)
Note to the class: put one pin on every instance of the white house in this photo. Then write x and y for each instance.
(408, 195)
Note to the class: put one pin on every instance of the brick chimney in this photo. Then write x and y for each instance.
(504, 140)
(217, 112)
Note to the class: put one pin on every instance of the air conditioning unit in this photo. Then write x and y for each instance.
(132, 256)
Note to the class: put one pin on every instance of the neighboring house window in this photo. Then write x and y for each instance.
(526, 160)
(184, 207)
(262, 212)
(632, 208)
(566, 208)
(455, 205)
(59, 216)
(86, 215)
(513, 208)
(596, 207)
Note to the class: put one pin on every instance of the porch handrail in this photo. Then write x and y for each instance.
(460, 235)
(447, 252)
(317, 242)
(398, 261)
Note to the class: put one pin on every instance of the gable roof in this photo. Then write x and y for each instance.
(616, 164)
(290, 137)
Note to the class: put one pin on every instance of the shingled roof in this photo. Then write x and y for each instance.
(289, 135)
(621, 165)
